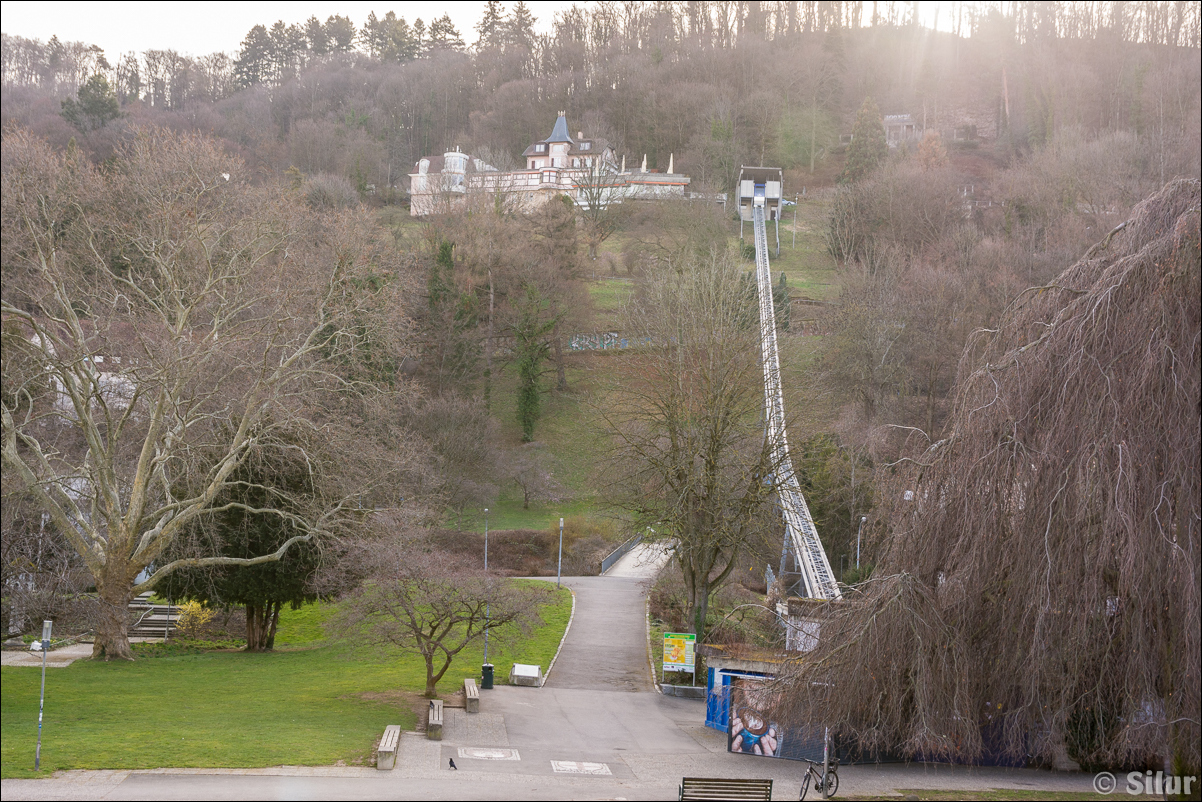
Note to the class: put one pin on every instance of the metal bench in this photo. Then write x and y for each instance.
(701, 788)
(434, 725)
(386, 753)
(471, 695)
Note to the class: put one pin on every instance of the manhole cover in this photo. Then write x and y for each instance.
(477, 753)
(579, 767)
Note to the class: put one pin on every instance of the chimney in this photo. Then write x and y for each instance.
(580, 134)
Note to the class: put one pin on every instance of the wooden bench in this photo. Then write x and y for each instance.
(471, 695)
(434, 725)
(722, 788)
(386, 753)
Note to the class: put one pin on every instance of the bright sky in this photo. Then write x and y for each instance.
(199, 28)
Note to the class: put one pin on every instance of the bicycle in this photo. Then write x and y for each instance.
(831, 783)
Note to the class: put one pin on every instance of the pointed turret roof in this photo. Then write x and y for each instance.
(560, 132)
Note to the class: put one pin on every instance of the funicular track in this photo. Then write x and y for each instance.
(816, 577)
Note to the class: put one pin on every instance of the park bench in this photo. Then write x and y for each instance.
(386, 753)
(722, 788)
(434, 726)
(471, 695)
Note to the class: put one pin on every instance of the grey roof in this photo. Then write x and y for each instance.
(560, 132)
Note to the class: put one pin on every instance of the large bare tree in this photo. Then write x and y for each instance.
(690, 458)
(163, 317)
(1041, 570)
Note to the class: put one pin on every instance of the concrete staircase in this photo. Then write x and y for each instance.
(152, 620)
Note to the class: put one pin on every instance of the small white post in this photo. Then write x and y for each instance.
(859, 532)
(826, 760)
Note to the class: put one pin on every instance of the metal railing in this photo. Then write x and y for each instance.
(620, 552)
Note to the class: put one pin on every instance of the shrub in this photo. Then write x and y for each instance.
(193, 619)
(326, 191)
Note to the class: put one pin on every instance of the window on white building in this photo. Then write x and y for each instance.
(586, 145)
(540, 148)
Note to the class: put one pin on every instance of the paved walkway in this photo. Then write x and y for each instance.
(55, 658)
(595, 730)
(606, 647)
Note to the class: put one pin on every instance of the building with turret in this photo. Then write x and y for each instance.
(586, 169)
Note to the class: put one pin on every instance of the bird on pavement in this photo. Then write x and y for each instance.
(453, 766)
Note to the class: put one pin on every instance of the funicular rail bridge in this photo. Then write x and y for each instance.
(801, 537)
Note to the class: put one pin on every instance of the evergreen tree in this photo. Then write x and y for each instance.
(531, 348)
(317, 38)
(443, 35)
(519, 29)
(254, 522)
(374, 36)
(421, 45)
(491, 27)
(94, 106)
(340, 33)
(255, 62)
(868, 147)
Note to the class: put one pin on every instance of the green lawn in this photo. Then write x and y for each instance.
(811, 269)
(607, 296)
(569, 433)
(308, 703)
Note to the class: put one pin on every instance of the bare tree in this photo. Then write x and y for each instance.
(599, 194)
(420, 599)
(163, 318)
(532, 469)
(462, 438)
(690, 458)
(1040, 572)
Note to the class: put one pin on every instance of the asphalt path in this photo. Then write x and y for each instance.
(606, 646)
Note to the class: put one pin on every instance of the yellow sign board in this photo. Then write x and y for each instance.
(679, 650)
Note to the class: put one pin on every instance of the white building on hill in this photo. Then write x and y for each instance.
(585, 169)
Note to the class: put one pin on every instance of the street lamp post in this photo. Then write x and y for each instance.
(559, 568)
(47, 626)
(860, 531)
(487, 605)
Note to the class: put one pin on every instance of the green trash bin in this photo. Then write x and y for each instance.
(486, 676)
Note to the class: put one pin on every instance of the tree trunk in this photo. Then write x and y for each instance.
(112, 625)
(701, 608)
(431, 682)
(561, 378)
(275, 622)
(260, 628)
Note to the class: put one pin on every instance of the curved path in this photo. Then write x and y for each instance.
(606, 648)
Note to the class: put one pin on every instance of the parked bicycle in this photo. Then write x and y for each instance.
(830, 783)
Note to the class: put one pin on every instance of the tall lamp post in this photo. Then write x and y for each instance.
(487, 605)
(859, 532)
(559, 568)
(47, 626)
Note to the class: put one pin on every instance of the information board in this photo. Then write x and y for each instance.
(679, 651)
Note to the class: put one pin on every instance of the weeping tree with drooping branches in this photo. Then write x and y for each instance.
(1040, 587)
